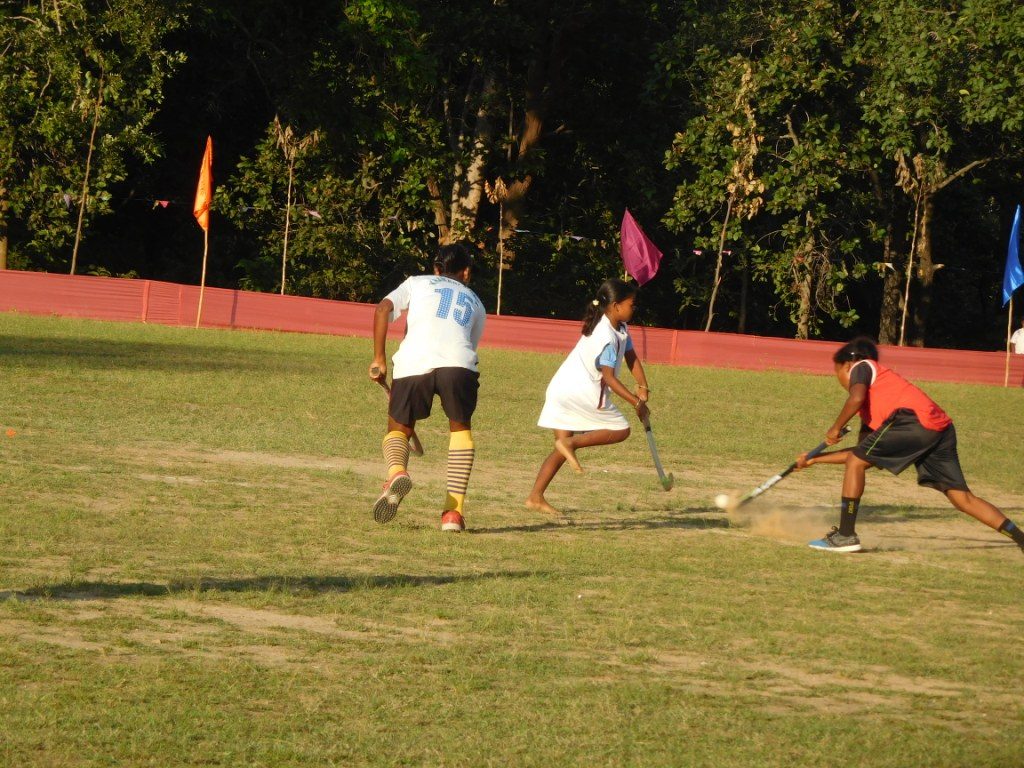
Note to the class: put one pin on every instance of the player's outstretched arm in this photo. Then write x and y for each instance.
(852, 406)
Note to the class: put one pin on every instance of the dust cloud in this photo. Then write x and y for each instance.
(785, 523)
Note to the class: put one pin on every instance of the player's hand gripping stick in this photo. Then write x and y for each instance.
(414, 442)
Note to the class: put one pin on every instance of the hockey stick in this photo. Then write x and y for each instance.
(667, 481)
(414, 442)
(731, 504)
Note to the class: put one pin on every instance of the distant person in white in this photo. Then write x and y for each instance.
(1017, 339)
(437, 357)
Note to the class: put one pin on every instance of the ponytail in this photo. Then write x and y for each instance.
(611, 292)
(861, 348)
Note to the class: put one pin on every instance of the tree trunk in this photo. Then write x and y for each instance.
(922, 249)
(804, 263)
(515, 196)
(890, 312)
(544, 84)
(444, 231)
(889, 316)
(4, 205)
(925, 271)
(744, 291)
(892, 300)
(468, 188)
(803, 322)
(85, 181)
(529, 137)
(718, 265)
(287, 222)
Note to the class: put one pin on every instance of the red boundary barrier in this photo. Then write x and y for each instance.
(150, 301)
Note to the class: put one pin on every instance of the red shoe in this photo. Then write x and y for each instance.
(395, 489)
(452, 521)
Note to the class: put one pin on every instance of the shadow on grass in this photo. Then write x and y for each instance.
(96, 354)
(694, 518)
(894, 513)
(955, 544)
(102, 590)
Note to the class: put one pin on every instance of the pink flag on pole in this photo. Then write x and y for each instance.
(639, 254)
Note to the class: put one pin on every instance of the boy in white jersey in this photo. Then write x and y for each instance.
(437, 357)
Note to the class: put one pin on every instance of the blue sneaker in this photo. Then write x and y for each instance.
(834, 541)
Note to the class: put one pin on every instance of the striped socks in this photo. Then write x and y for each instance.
(460, 463)
(396, 452)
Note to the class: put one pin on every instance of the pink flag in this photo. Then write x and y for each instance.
(639, 254)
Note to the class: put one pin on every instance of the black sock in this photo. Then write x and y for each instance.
(848, 516)
(1010, 529)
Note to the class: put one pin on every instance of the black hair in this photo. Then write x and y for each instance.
(860, 348)
(611, 292)
(452, 259)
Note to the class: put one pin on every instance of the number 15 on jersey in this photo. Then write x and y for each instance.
(463, 312)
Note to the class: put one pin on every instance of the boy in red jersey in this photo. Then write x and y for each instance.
(900, 426)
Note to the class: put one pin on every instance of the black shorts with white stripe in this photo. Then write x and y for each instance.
(901, 440)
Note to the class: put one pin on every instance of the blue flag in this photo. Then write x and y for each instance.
(1013, 275)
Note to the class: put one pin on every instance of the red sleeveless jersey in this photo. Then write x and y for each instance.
(889, 391)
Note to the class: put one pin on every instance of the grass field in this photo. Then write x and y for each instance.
(189, 573)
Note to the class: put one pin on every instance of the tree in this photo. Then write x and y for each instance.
(429, 108)
(767, 145)
(867, 117)
(71, 72)
(940, 98)
(293, 146)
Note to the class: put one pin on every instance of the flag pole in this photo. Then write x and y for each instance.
(202, 279)
(1009, 328)
(501, 247)
(1013, 278)
(201, 210)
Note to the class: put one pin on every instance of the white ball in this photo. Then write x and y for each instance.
(722, 501)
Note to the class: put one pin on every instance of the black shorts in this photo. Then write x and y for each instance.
(902, 441)
(413, 396)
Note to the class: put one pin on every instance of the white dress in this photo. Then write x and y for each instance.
(577, 399)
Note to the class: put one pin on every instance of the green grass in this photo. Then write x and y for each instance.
(189, 573)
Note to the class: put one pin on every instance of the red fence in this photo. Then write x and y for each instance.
(149, 301)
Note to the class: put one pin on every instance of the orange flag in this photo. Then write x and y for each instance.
(204, 192)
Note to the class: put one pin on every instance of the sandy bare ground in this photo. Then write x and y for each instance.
(896, 515)
(898, 521)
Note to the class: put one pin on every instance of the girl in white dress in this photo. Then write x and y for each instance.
(578, 405)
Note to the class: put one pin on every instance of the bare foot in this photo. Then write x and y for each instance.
(541, 505)
(565, 448)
